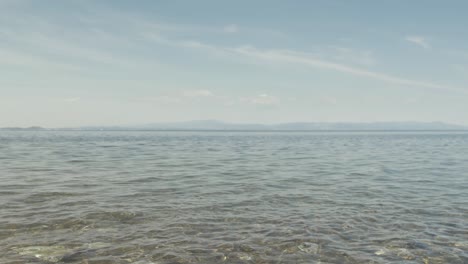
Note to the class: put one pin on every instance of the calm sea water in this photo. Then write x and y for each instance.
(233, 197)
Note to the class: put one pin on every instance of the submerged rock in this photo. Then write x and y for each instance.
(58, 253)
(79, 255)
(417, 245)
(310, 248)
(45, 253)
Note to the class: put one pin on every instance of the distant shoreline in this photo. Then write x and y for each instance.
(215, 125)
(231, 130)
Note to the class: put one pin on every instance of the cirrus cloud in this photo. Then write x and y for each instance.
(419, 40)
(261, 99)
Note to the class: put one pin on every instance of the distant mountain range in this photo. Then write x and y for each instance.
(33, 128)
(320, 126)
(219, 125)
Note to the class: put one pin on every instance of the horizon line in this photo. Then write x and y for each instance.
(267, 126)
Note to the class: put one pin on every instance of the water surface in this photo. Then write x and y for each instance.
(233, 197)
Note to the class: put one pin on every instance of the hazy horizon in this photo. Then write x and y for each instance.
(91, 63)
(222, 125)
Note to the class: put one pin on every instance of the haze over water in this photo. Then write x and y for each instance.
(233, 197)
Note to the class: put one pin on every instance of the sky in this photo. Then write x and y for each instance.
(114, 62)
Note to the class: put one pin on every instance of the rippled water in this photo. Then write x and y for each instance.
(233, 197)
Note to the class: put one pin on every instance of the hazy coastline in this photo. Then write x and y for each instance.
(214, 125)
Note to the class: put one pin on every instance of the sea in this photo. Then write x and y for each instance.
(90, 197)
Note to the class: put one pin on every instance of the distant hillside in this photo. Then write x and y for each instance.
(33, 128)
(298, 126)
(371, 126)
(219, 125)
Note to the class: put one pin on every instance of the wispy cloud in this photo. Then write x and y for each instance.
(25, 59)
(358, 57)
(183, 96)
(289, 56)
(163, 99)
(419, 40)
(208, 97)
(54, 46)
(261, 99)
(342, 61)
(285, 56)
(197, 93)
(193, 44)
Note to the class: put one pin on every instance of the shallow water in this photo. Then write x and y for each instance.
(233, 197)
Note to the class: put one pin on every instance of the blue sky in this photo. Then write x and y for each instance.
(74, 63)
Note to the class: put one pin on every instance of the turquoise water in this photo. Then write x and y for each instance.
(233, 197)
